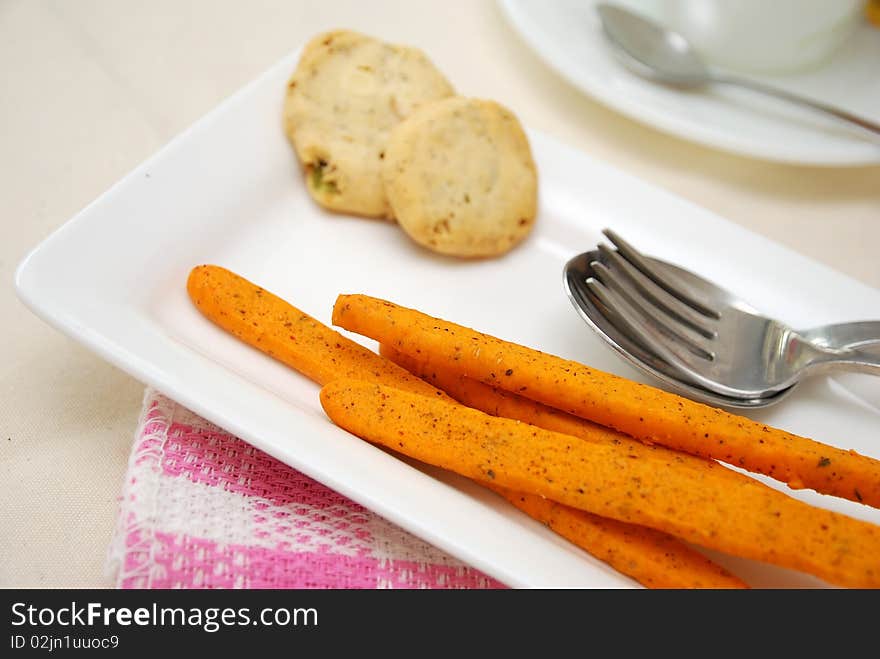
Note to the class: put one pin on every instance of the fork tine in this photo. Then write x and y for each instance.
(675, 356)
(650, 271)
(668, 304)
(634, 312)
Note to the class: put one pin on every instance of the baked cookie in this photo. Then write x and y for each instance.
(460, 177)
(347, 93)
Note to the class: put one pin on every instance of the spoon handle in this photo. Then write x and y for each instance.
(869, 127)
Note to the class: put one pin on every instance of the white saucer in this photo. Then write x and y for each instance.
(567, 35)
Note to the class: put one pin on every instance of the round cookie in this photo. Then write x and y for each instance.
(460, 178)
(347, 93)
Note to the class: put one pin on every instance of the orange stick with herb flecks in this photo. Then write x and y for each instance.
(657, 558)
(498, 402)
(271, 324)
(640, 411)
(653, 558)
(751, 520)
(277, 328)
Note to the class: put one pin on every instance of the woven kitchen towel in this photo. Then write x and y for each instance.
(203, 509)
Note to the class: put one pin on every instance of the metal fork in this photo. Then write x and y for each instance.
(709, 337)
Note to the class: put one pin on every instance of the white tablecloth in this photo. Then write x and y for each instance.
(93, 87)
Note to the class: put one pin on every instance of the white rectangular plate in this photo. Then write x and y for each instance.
(229, 191)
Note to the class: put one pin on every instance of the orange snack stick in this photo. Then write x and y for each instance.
(751, 520)
(277, 328)
(653, 558)
(268, 323)
(498, 402)
(643, 412)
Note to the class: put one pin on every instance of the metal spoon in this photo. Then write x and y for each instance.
(616, 332)
(655, 52)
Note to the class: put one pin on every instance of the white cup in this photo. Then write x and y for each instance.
(760, 36)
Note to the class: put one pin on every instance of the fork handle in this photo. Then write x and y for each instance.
(853, 361)
(864, 335)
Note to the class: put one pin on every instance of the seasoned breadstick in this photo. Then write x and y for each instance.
(498, 402)
(641, 411)
(268, 323)
(664, 569)
(653, 558)
(752, 520)
(282, 331)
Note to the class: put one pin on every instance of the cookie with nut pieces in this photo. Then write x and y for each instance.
(348, 91)
(461, 179)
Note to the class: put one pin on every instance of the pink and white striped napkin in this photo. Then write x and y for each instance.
(203, 509)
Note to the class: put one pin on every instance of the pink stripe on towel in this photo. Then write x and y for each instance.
(203, 509)
(183, 561)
